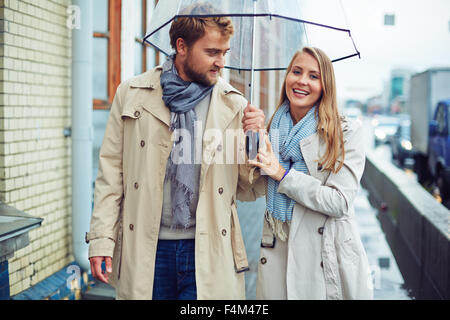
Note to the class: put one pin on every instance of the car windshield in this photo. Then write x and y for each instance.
(405, 130)
(389, 128)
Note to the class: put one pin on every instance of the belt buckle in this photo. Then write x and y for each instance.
(267, 245)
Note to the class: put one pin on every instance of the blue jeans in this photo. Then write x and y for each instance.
(175, 270)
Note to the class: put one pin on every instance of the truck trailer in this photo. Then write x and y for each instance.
(428, 89)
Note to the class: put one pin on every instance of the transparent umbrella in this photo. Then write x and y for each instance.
(267, 33)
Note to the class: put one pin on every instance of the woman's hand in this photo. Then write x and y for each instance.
(267, 161)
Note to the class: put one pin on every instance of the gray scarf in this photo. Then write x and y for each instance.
(181, 97)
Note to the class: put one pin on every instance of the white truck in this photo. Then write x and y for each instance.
(427, 89)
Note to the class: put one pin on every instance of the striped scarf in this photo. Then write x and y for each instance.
(284, 135)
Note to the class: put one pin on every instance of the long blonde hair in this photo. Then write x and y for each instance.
(329, 124)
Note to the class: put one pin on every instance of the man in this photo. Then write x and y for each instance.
(165, 220)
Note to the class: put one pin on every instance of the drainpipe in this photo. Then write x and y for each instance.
(82, 131)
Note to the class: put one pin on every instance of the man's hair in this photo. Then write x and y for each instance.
(191, 29)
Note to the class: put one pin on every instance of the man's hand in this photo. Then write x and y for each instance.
(253, 118)
(96, 268)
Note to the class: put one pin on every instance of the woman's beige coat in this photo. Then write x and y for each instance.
(129, 191)
(323, 257)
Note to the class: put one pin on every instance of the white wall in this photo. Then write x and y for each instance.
(127, 45)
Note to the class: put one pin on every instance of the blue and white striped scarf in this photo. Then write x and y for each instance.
(284, 135)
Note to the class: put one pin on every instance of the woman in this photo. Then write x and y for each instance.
(314, 160)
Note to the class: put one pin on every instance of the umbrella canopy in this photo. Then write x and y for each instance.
(279, 28)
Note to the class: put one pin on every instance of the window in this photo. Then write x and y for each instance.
(440, 118)
(389, 19)
(106, 51)
(145, 56)
(397, 87)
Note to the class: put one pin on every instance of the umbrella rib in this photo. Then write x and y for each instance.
(255, 15)
(247, 15)
(346, 57)
(159, 28)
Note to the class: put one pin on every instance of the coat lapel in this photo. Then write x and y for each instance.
(151, 99)
(311, 148)
(221, 113)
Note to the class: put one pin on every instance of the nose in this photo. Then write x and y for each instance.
(303, 79)
(220, 62)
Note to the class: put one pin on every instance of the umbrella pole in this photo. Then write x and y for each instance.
(252, 72)
(252, 136)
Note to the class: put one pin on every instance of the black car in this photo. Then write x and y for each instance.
(401, 143)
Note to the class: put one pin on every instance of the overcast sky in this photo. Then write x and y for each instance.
(420, 39)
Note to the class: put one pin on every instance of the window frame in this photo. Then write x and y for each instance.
(113, 55)
(140, 40)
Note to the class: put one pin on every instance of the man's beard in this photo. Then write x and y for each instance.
(197, 76)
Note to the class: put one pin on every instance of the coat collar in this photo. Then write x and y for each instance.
(313, 148)
(222, 105)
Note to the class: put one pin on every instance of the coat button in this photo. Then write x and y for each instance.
(220, 190)
(137, 114)
(320, 230)
(136, 185)
(263, 260)
(219, 147)
(142, 143)
(321, 264)
(131, 227)
(224, 232)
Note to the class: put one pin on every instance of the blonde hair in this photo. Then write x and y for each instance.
(329, 126)
(191, 29)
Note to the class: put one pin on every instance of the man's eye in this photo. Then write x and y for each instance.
(212, 52)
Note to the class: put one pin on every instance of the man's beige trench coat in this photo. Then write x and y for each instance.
(129, 191)
(323, 257)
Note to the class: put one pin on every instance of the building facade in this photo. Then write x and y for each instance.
(35, 49)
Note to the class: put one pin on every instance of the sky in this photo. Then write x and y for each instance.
(420, 39)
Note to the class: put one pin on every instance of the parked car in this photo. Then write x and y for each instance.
(401, 143)
(384, 128)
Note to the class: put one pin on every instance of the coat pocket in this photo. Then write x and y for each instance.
(237, 243)
(349, 249)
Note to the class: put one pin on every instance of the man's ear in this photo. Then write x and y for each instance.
(182, 47)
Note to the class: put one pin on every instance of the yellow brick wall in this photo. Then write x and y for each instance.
(35, 60)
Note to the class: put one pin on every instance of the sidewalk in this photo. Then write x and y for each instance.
(387, 278)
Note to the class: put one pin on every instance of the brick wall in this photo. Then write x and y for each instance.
(35, 50)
